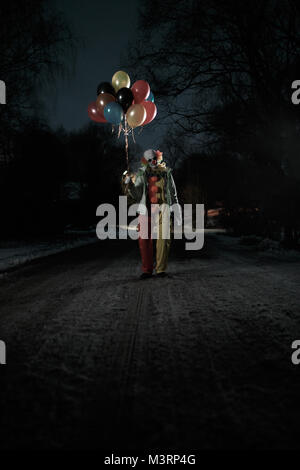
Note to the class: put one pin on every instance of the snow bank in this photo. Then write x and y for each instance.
(16, 253)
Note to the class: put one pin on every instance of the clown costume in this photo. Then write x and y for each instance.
(153, 189)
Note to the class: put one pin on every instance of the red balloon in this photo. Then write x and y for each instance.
(94, 114)
(140, 90)
(151, 111)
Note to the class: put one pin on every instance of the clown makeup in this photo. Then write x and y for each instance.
(153, 162)
(152, 158)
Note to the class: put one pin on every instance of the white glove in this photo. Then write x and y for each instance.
(127, 179)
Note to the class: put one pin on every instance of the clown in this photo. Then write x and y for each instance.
(153, 188)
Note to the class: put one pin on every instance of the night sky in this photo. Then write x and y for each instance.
(104, 27)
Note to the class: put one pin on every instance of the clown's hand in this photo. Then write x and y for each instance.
(126, 177)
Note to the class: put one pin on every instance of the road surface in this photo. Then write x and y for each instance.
(202, 360)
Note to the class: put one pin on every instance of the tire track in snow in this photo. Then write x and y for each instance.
(125, 368)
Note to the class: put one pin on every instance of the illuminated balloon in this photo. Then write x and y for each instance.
(102, 100)
(140, 90)
(120, 80)
(94, 113)
(136, 115)
(151, 111)
(113, 113)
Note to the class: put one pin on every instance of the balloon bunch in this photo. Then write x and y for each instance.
(123, 106)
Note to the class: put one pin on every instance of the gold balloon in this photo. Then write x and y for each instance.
(136, 115)
(120, 80)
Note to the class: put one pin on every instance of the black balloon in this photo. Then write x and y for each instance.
(125, 98)
(105, 87)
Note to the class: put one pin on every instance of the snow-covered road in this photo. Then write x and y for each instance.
(200, 360)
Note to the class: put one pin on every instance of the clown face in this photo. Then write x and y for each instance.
(152, 158)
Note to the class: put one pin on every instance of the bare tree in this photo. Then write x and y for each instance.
(223, 68)
(35, 41)
(222, 72)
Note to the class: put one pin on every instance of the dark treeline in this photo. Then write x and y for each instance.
(221, 71)
(48, 179)
(57, 179)
(253, 198)
(35, 42)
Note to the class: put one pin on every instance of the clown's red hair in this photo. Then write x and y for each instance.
(158, 154)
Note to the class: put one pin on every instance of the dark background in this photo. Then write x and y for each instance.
(94, 352)
(221, 74)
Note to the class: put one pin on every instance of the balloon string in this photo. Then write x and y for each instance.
(126, 143)
(133, 136)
